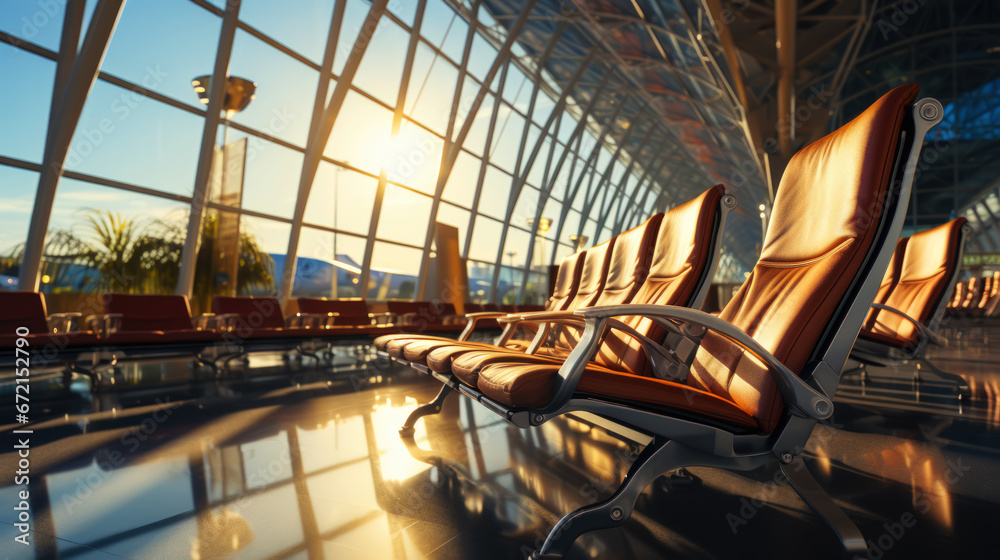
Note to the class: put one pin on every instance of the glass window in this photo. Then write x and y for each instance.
(526, 207)
(341, 199)
(431, 89)
(405, 216)
(515, 249)
(496, 190)
(571, 227)
(482, 56)
(328, 265)
(508, 284)
(413, 158)
(394, 272)
(103, 239)
(286, 89)
(536, 292)
(551, 213)
(475, 141)
(382, 66)
(507, 138)
(485, 238)
(17, 191)
(480, 282)
(262, 244)
(162, 46)
(461, 186)
(516, 82)
(34, 21)
(438, 20)
(271, 176)
(31, 93)
(563, 251)
(306, 33)
(131, 138)
(360, 134)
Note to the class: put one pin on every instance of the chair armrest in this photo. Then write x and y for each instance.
(536, 316)
(472, 319)
(925, 333)
(801, 399)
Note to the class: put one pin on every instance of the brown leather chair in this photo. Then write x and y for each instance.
(679, 273)
(765, 371)
(567, 284)
(611, 271)
(907, 312)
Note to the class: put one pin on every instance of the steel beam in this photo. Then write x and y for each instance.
(302, 198)
(397, 119)
(484, 163)
(449, 156)
(519, 181)
(81, 80)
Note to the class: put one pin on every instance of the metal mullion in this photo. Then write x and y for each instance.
(317, 143)
(68, 43)
(519, 181)
(535, 87)
(571, 195)
(628, 170)
(449, 156)
(649, 176)
(312, 147)
(484, 163)
(548, 185)
(622, 142)
(397, 117)
(539, 207)
(623, 208)
(81, 80)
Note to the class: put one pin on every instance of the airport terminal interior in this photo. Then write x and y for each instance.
(499, 279)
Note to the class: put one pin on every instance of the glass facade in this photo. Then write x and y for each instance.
(529, 181)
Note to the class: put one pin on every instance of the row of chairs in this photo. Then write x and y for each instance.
(137, 327)
(622, 337)
(906, 316)
(977, 297)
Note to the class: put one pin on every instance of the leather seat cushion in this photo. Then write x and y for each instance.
(532, 384)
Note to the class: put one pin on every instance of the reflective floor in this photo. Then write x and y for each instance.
(319, 471)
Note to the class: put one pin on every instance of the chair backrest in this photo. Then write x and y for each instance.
(257, 312)
(627, 266)
(681, 265)
(992, 306)
(889, 281)
(349, 311)
(23, 309)
(593, 274)
(930, 262)
(567, 281)
(825, 252)
(150, 312)
(973, 291)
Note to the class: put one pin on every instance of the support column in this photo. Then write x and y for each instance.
(86, 67)
(203, 174)
(449, 156)
(317, 143)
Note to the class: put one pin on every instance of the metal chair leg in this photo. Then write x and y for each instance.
(960, 383)
(813, 494)
(659, 457)
(433, 407)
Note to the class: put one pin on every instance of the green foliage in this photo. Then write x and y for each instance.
(141, 256)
